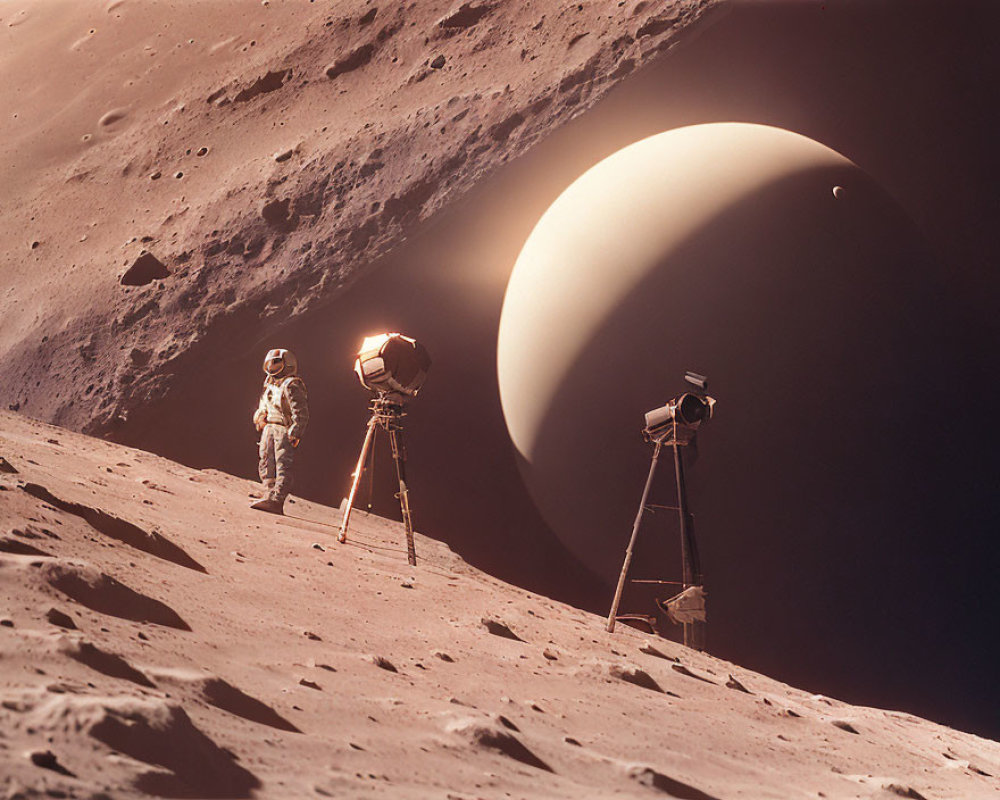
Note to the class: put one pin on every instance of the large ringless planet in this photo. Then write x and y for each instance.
(569, 204)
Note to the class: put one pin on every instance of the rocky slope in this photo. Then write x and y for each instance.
(179, 177)
(159, 638)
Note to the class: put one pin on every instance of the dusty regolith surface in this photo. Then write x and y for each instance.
(159, 638)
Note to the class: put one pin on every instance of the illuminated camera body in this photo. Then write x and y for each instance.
(688, 409)
(679, 419)
(392, 364)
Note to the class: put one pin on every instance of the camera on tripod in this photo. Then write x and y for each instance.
(688, 410)
(674, 425)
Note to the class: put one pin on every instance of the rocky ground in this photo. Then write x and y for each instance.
(159, 638)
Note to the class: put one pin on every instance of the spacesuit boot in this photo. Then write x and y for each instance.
(269, 505)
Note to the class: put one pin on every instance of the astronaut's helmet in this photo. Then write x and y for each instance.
(280, 363)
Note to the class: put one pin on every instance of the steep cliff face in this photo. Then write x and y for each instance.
(181, 179)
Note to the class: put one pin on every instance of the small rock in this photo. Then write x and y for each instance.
(551, 655)
(438, 62)
(57, 617)
(498, 628)
(139, 357)
(7, 623)
(284, 155)
(276, 212)
(310, 684)
(732, 683)
(384, 663)
(202, 151)
(688, 673)
(572, 741)
(844, 726)
(903, 791)
(353, 60)
(649, 650)
(635, 676)
(144, 270)
(46, 759)
(318, 546)
(310, 635)
(6, 466)
(647, 776)
(443, 656)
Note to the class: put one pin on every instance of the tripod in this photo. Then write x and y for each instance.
(676, 435)
(387, 413)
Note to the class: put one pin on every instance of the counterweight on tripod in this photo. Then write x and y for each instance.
(393, 367)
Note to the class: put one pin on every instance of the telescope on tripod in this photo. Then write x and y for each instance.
(676, 425)
(393, 367)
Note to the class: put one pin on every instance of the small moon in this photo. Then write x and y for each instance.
(838, 192)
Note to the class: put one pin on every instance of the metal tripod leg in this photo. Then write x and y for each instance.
(631, 543)
(694, 632)
(369, 435)
(399, 456)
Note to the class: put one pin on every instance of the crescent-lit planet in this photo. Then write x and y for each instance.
(719, 249)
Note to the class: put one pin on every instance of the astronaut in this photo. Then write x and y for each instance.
(281, 418)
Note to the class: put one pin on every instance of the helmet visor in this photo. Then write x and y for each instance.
(274, 365)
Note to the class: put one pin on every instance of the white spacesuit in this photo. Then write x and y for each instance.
(281, 417)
